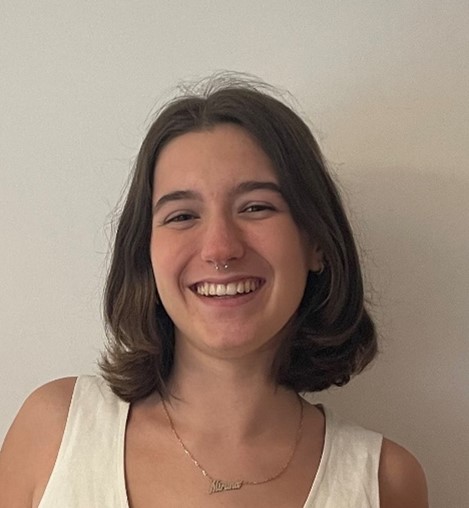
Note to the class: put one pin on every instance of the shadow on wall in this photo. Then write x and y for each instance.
(415, 226)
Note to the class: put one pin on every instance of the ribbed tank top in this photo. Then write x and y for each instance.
(89, 470)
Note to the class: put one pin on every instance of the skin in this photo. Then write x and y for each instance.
(221, 221)
(204, 213)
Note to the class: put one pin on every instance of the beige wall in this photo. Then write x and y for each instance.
(385, 86)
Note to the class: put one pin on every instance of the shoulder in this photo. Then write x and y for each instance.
(46, 409)
(31, 445)
(402, 482)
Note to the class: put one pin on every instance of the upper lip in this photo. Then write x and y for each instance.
(225, 280)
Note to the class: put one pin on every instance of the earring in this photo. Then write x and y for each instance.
(321, 270)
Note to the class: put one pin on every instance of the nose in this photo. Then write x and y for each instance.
(221, 241)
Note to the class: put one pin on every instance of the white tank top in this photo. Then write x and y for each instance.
(89, 470)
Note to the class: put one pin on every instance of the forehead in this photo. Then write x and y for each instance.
(221, 156)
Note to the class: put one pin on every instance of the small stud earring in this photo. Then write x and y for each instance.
(321, 270)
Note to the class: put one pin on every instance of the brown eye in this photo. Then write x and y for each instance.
(258, 208)
(180, 218)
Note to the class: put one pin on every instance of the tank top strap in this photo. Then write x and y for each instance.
(348, 470)
(89, 470)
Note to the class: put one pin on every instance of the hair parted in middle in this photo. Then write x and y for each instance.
(332, 336)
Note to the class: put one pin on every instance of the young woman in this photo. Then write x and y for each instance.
(235, 285)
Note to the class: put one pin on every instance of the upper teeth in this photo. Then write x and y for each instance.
(232, 288)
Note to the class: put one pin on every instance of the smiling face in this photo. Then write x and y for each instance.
(216, 201)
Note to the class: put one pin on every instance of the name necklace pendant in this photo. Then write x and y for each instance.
(221, 486)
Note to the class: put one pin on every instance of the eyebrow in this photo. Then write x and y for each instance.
(242, 188)
(176, 196)
(253, 185)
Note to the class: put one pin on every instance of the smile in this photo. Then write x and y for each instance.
(230, 289)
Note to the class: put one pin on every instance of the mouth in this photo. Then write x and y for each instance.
(235, 288)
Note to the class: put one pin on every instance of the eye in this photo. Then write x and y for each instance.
(258, 208)
(180, 219)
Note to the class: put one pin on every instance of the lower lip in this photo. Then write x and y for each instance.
(228, 300)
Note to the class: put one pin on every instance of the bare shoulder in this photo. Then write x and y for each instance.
(31, 445)
(402, 481)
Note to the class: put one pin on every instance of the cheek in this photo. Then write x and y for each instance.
(159, 264)
(300, 255)
(167, 265)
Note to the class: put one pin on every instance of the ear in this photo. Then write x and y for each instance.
(316, 259)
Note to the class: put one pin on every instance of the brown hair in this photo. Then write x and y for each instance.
(333, 336)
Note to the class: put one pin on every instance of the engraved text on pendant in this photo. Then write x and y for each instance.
(220, 486)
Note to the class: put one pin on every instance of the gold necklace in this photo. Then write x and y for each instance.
(217, 485)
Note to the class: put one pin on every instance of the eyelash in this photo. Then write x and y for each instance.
(180, 217)
(259, 207)
(188, 216)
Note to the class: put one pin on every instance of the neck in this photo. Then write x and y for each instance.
(230, 397)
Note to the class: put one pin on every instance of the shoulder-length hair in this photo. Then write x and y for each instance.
(332, 337)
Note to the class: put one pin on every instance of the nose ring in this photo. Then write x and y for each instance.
(223, 266)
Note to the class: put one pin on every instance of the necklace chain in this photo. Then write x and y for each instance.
(217, 485)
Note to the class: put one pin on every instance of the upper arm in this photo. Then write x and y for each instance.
(402, 482)
(31, 445)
